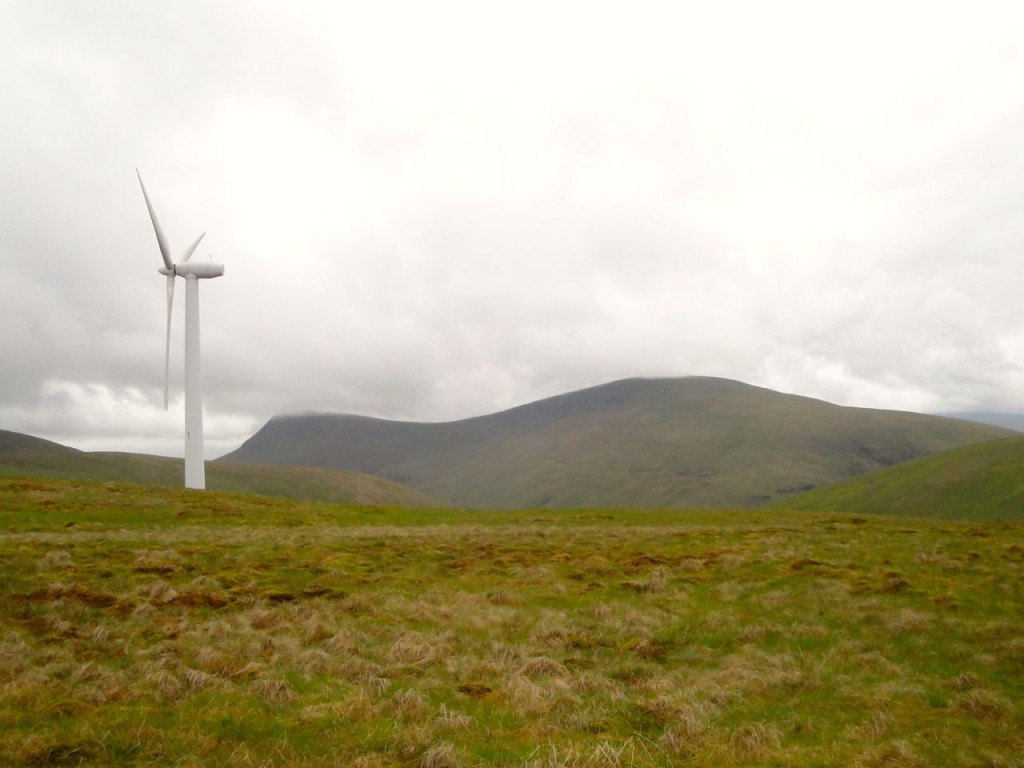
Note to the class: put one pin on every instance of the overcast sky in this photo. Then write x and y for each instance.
(435, 210)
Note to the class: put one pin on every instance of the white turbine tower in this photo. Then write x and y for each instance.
(193, 272)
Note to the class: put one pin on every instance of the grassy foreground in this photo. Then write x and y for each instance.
(147, 626)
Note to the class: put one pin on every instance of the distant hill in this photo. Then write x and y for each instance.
(984, 481)
(17, 444)
(23, 455)
(1014, 421)
(693, 441)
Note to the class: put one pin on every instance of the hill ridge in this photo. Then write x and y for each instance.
(17, 443)
(638, 442)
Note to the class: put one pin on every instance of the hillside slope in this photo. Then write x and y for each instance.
(18, 444)
(26, 456)
(1014, 421)
(693, 441)
(984, 481)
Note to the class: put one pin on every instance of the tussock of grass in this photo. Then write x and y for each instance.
(315, 636)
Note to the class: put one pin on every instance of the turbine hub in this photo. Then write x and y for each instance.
(200, 269)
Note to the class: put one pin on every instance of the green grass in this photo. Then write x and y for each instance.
(978, 482)
(151, 626)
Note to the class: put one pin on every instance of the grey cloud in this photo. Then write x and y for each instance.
(435, 212)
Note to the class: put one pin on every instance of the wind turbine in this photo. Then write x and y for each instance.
(192, 272)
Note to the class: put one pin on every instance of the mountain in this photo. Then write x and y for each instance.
(983, 481)
(23, 455)
(693, 441)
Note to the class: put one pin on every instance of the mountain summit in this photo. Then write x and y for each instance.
(694, 441)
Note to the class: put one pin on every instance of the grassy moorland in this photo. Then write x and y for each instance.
(149, 626)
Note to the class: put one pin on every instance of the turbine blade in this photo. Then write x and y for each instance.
(167, 352)
(161, 240)
(192, 248)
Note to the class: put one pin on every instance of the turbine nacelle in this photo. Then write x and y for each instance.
(200, 269)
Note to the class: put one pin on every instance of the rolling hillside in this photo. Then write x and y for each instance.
(984, 481)
(693, 441)
(23, 455)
